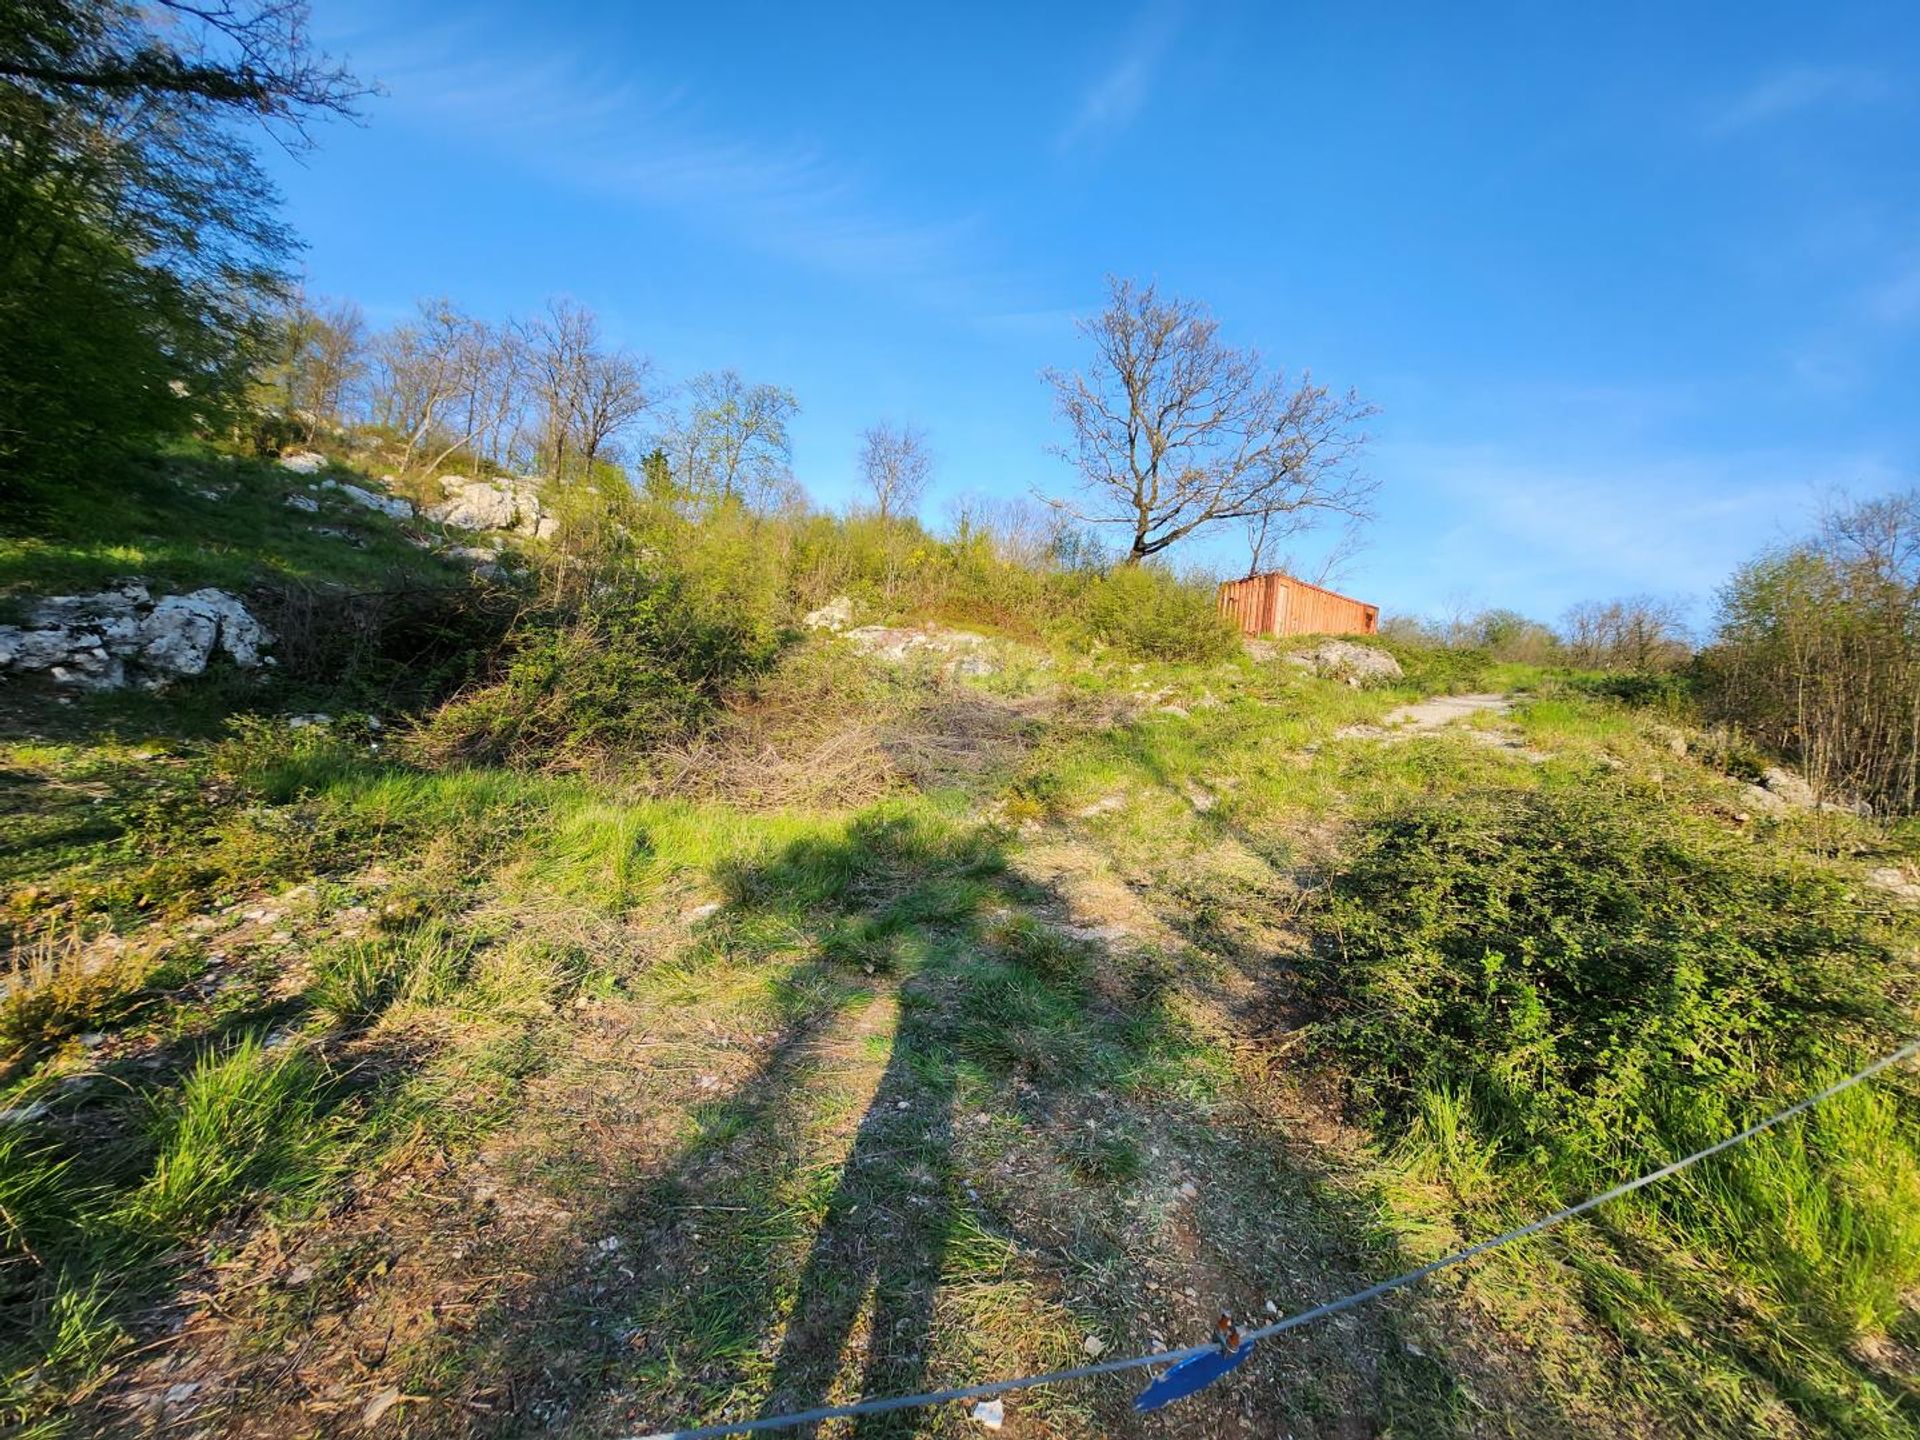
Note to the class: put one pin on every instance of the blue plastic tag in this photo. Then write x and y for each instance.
(1190, 1375)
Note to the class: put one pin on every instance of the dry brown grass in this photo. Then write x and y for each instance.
(831, 731)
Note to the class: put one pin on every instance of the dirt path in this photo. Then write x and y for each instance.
(1443, 710)
(1443, 714)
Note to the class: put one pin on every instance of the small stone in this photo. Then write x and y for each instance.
(1188, 1190)
(1094, 1345)
(990, 1413)
(379, 1405)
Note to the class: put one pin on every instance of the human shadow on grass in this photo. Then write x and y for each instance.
(884, 1236)
(739, 1277)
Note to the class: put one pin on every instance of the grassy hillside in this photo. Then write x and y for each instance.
(894, 1028)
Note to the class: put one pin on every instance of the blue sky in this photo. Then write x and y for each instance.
(1633, 287)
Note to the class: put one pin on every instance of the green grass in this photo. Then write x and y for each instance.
(197, 518)
(248, 1121)
(860, 1053)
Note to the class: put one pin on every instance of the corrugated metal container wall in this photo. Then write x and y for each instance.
(1276, 604)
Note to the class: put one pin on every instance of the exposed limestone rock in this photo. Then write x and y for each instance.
(961, 650)
(1785, 790)
(494, 505)
(305, 504)
(304, 462)
(835, 615)
(102, 641)
(1764, 800)
(389, 505)
(1895, 881)
(476, 505)
(1358, 665)
(1791, 788)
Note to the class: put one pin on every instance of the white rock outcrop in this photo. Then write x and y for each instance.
(304, 462)
(494, 505)
(958, 652)
(1780, 789)
(1358, 665)
(835, 615)
(391, 506)
(124, 636)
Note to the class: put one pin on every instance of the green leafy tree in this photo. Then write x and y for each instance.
(139, 245)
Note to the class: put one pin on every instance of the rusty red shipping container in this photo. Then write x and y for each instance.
(1276, 604)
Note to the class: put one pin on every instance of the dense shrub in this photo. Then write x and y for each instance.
(1669, 692)
(399, 645)
(1142, 611)
(1817, 654)
(1581, 960)
(1439, 669)
(1571, 987)
(638, 667)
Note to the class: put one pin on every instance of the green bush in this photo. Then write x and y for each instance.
(1668, 692)
(1582, 984)
(636, 668)
(1439, 669)
(1595, 971)
(1144, 612)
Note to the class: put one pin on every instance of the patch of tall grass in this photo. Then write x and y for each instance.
(248, 1121)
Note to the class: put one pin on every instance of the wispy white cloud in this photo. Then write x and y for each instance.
(1676, 524)
(612, 135)
(1116, 96)
(1791, 92)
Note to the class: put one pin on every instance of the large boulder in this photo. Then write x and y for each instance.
(494, 505)
(1358, 665)
(105, 640)
(475, 505)
(304, 462)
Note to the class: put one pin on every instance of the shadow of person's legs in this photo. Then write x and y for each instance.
(883, 1240)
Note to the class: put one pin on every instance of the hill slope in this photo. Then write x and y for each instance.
(918, 1027)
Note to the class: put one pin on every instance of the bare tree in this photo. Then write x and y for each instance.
(557, 344)
(1335, 560)
(325, 360)
(615, 390)
(423, 365)
(1011, 528)
(895, 464)
(733, 439)
(251, 58)
(1636, 632)
(1175, 432)
(337, 359)
(588, 394)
